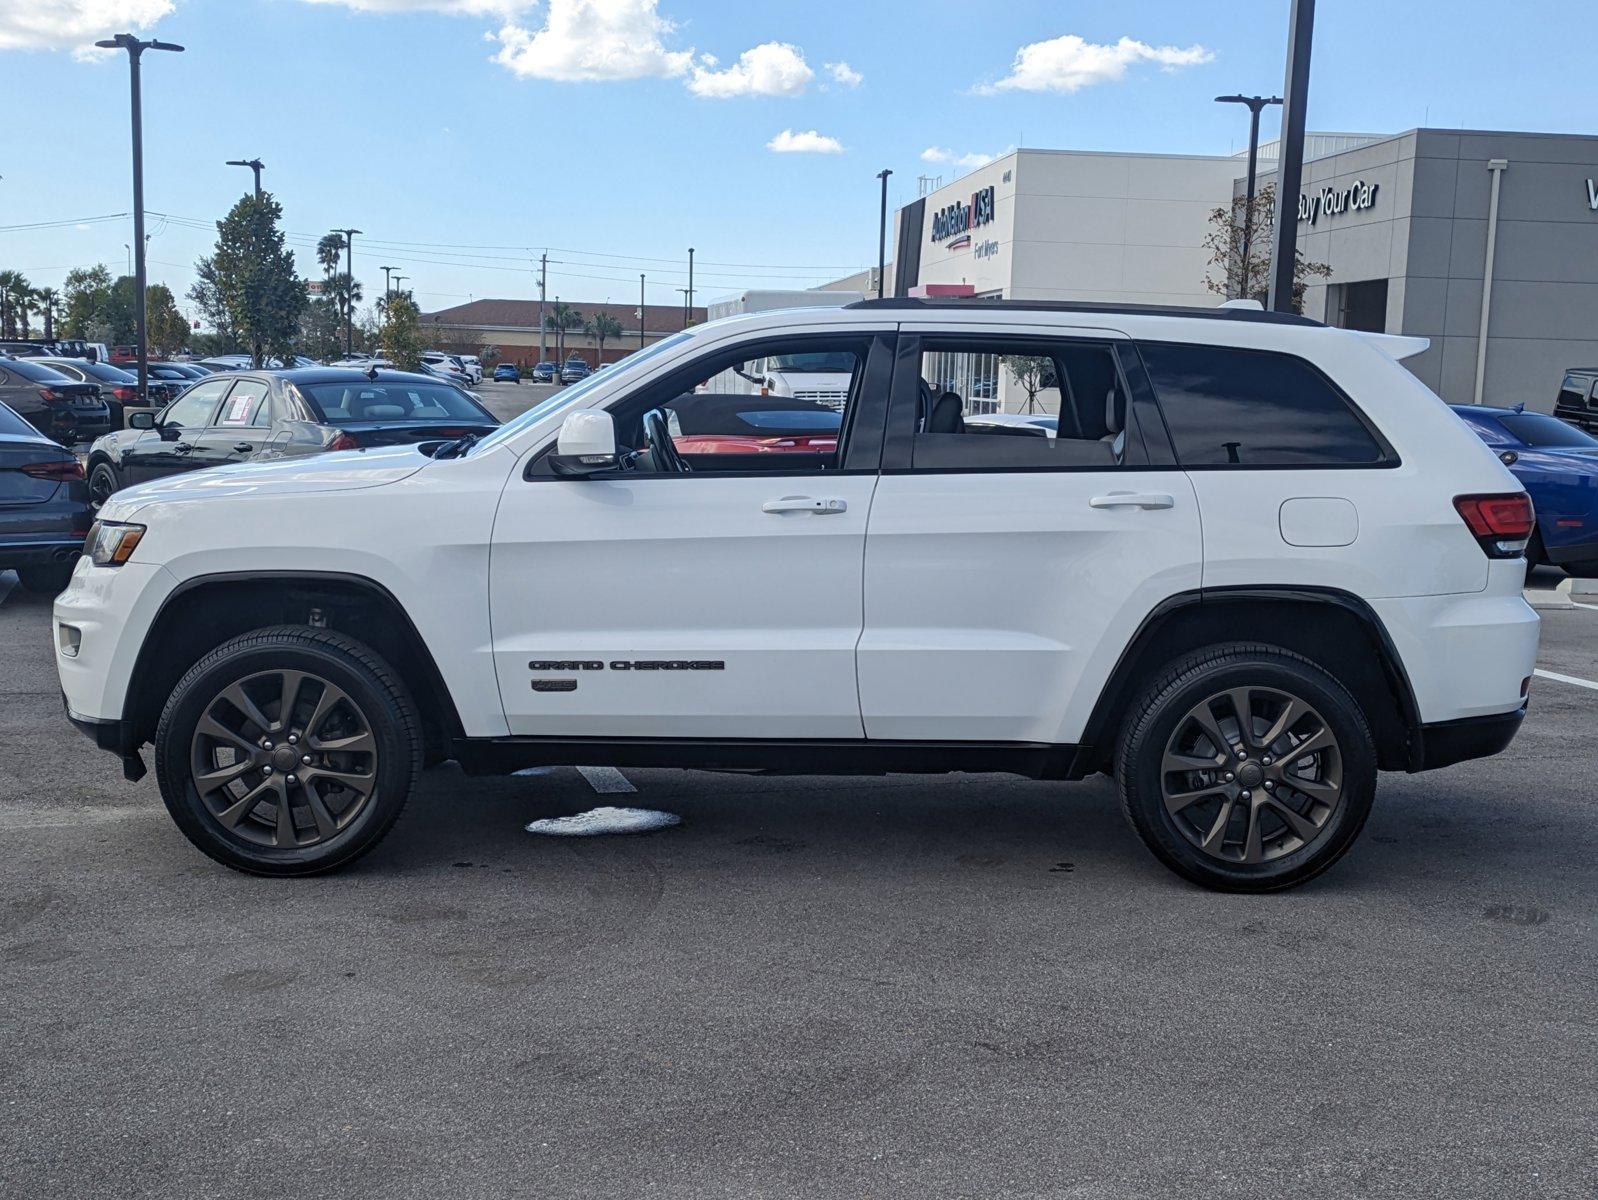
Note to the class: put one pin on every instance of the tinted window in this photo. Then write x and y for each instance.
(1251, 408)
(34, 372)
(381, 400)
(1573, 390)
(193, 409)
(12, 425)
(1539, 429)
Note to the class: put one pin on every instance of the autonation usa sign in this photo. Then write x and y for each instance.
(1331, 202)
(957, 220)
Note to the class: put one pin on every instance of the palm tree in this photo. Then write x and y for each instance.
(8, 282)
(601, 327)
(47, 300)
(23, 297)
(562, 318)
(328, 252)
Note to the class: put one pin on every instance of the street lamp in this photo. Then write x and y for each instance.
(640, 312)
(1255, 104)
(136, 49)
(1290, 154)
(255, 165)
(386, 271)
(689, 316)
(882, 233)
(349, 291)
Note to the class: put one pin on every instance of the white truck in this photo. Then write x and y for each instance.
(819, 378)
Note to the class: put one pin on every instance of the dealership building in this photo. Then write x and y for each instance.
(1486, 243)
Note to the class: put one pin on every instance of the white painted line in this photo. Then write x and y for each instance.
(609, 781)
(1571, 679)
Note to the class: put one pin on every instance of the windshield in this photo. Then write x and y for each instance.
(566, 397)
(383, 400)
(1539, 429)
(834, 362)
(35, 372)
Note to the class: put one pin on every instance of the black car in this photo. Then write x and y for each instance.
(1577, 403)
(67, 410)
(119, 386)
(248, 416)
(44, 506)
(176, 372)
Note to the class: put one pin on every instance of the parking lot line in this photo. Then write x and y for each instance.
(1571, 679)
(606, 780)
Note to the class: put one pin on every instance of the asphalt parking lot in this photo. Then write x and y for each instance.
(970, 986)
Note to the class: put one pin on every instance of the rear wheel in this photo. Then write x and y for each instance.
(1247, 768)
(46, 580)
(103, 481)
(288, 751)
(1535, 554)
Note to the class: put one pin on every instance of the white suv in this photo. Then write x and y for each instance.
(1257, 562)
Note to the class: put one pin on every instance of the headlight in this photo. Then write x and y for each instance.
(111, 543)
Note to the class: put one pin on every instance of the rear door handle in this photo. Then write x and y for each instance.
(243, 447)
(822, 507)
(1133, 500)
(183, 447)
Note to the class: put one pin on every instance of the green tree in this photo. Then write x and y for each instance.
(488, 354)
(166, 327)
(1249, 276)
(255, 277)
(15, 297)
(86, 292)
(402, 336)
(1033, 373)
(602, 326)
(48, 299)
(207, 297)
(561, 318)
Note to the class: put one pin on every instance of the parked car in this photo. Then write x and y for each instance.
(507, 373)
(256, 416)
(67, 410)
(710, 423)
(574, 371)
(118, 387)
(178, 372)
(1577, 402)
(474, 367)
(44, 506)
(545, 372)
(1265, 565)
(1557, 464)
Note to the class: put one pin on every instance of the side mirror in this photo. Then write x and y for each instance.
(586, 445)
(141, 420)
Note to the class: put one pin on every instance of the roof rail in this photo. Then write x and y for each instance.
(1249, 315)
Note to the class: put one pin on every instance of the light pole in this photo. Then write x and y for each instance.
(1290, 154)
(136, 49)
(349, 289)
(640, 312)
(386, 271)
(688, 316)
(882, 233)
(1255, 104)
(255, 165)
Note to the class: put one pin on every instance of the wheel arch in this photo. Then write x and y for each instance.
(1315, 622)
(203, 612)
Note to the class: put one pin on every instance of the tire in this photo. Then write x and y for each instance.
(358, 724)
(103, 482)
(46, 580)
(1196, 821)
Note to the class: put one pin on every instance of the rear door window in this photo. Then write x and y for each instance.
(1230, 407)
(244, 404)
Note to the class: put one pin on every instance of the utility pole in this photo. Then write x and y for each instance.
(255, 165)
(1255, 104)
(689, 315)
(882, 234)
(386, 271)
(136, 49)
(543, 278)
(1290, 155)
(397, 278)
(349, 289)
(684, 293)
(640, 312)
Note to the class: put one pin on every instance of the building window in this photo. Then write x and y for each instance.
(1361, 305)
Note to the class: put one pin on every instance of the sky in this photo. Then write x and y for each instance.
(466, 137)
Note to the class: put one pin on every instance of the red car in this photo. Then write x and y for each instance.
(719, 423)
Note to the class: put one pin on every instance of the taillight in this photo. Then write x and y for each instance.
(49, 396)
(61, 472)
(344, 442)
(1502, 524)
(124, 392)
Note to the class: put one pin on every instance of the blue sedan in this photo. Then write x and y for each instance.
(1558, 465)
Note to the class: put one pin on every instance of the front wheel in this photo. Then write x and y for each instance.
(103, 482)
(1247, 768)
(49, 579)
(288, 751)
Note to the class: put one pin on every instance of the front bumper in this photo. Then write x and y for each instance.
(114, 736)
(1444, 743)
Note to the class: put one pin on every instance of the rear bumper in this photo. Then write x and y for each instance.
(1447, 742)
(39, 551)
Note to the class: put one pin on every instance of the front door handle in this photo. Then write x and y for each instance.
(810, 504)
(243, 447)
(183, 447)
(1133, 500)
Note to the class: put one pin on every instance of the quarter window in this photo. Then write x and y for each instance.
(1228, 407)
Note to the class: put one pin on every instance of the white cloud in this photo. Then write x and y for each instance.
(587, 40)
(464, 8)
(843, 73)
(769, 69)
(1068, 63)
(808, 142)
(74, 24)
(946, 157)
